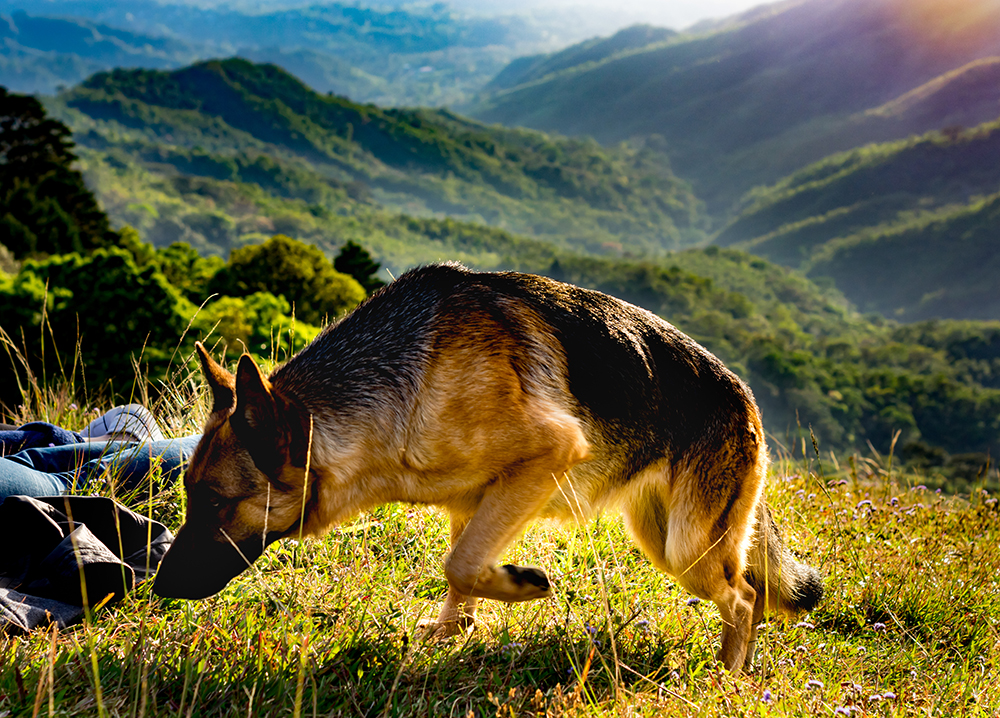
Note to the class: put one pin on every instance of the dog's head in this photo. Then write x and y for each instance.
(245, 483)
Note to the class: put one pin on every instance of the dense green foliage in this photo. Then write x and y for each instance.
(255, 123)
(299, 272)
(102, 311)
(356, 261)
(100, 308)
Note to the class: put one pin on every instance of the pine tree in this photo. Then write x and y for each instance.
(357, 262)
(47, 207)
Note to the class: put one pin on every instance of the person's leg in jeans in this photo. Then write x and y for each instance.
(73, 468)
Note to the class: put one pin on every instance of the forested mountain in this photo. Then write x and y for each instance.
(426, 55)
(42, 53)
(748, 101)
(235, 120)
(909, 228)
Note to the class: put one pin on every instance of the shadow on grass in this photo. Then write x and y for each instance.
(215, 671)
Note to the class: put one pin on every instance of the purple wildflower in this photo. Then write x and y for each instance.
(693, 601)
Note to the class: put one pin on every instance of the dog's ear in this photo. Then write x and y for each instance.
(261, 419)
(220, 381)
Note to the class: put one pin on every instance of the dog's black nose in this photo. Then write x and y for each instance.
(197, 566)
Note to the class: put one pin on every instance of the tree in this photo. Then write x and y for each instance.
(357, 262)
(47, 208)
(299, 272)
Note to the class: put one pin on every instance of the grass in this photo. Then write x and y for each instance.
(328, 627)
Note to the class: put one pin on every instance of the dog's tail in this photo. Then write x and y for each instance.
(789, 585)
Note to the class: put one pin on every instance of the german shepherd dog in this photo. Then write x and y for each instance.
(501, 397)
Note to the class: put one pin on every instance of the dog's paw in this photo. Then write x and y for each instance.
(434, 630)
(531, 582)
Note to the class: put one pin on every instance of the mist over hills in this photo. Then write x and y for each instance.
(43, 53)
(855, 141)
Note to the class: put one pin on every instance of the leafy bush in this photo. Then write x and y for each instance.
(296, 271)
(92, 318)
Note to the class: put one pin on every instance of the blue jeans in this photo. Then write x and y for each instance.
(90, 467)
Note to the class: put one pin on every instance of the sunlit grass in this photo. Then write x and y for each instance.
(910, 624)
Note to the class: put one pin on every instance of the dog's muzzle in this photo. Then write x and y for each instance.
(197, 566)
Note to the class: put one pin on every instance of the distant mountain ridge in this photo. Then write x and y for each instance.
(753, 99)
(908, 228)
(41, 53)
(417, 55)
(535, 67)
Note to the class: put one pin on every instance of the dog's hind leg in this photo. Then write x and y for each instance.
(705, 556)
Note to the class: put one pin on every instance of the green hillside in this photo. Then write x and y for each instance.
(746, 102)
(936, 264)
(901, 227)
(810, 359)
(238, 121)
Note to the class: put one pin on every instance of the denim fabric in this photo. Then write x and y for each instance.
(54, 470)
(34, 435)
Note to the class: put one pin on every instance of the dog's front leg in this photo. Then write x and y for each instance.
(508, 505)
(458, 613)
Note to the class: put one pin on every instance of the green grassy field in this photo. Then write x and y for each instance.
(910, 624)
